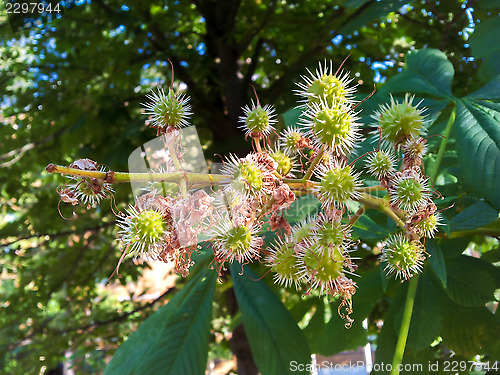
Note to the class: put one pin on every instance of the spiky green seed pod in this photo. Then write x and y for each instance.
(284, 263)
(380, 164)
(415, 148)
(168, 111)
(291, 140)
(334, 127)
(403, 257)
(320, 269)
(409, 192)
(234, 241)
(144, 231)
(303, 230)
(399, 122)
(258, 120)
(285, 162)
(338, 183)
(429, 226)
(246, 178)
(325, 266)
(326, 86)
(238, 239)
(331, 233)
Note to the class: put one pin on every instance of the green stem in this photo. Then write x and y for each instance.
(257, 144)
(405, 326)
(117, 177)
(383, 206)
(177, 164)
(491, 230)
(298, 184)
(442, 146)
(367, 189)
(314, 163)
(356, 216)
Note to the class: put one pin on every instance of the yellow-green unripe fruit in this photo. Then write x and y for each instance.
(168, 110)
(328, 88)
(257, 120)
(330, 233)
(247, 178)
(284, 162)
(148, 227)
(284, 263)
(402, 256)
(238, 240)
(428, 226)
(337, 185)
(332, 126)
(380, 164)
(322, 265)
(409, 193)
(326, 85)
(304, 231)
(399, 121)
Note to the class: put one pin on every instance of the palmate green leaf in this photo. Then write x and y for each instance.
(470, 330)
(475, 216)
(427, 317)
(291, 117)
(484, 45)
(274, 336)
(354, 3)
(436, 261)
(174, 340)
(367, 229)
(387, 338)
(428, 71)
(490, 91)
(489, 4)
(453, 247)
(301, 208)
(331, 337)
(301, 307)
(469, 281)
(315, 326)
(384, 278)
(478, 147)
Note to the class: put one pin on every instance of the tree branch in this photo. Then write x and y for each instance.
(18, 153)
(117, 318)
(104, 7)
(60, 234)
(253, 32)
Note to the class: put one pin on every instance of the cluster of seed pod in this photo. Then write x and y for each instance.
(87, 191)
(401, 127)
(309, 158)
(165, 228)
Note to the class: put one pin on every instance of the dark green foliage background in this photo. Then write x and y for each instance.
(50, 304)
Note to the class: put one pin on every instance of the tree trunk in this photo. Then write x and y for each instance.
(239, 342)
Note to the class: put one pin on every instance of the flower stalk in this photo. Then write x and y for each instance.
(382, 205)
(442, 146)
(315, 162)
(178, 166)
(199, 179)
(405, 325)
